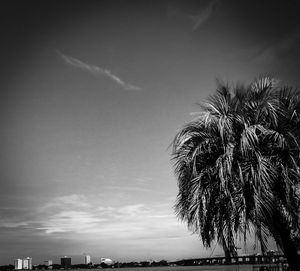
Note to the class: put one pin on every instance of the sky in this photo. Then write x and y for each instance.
(92, 95)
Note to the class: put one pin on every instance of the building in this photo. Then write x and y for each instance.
(87, 259)
(48, 263)
(23, 264)
(105, 262)
(65, 262)
(18, 264)
(27, 263)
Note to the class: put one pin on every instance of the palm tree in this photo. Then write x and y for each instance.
(237, 166)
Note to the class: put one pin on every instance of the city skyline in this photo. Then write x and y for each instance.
(66, 262)
(26, 263)
(92, 94)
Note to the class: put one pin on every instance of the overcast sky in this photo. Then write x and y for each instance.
(92, 94)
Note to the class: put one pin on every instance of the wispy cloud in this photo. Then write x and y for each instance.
(13, 224)
(204, 15)
(96, 70)
(198, 19)
(126, 189)
(69, 201)
(71, 221)
(77, 216)
(280, 50)
(143, 180)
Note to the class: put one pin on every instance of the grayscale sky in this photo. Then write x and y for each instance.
(92, 94)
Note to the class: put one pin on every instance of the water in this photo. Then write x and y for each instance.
(181, 268)
(193, 268)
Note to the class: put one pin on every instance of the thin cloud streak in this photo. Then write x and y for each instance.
(280, 50)
(130, 189)
(205, 14)
(95, 70)
(70, 201)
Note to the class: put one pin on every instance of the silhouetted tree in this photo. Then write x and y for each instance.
(237, 166)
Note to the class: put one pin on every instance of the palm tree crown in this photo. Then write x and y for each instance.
(237, 166)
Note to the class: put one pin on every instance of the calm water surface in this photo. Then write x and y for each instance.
(182, 268)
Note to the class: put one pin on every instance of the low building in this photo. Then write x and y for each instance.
(48, 263)
(105, 262)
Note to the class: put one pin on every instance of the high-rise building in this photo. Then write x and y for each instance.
(27, 263)
(87, 259)
(65, 262)
(18, 264)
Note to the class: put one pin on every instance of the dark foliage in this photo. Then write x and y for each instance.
(237, 166)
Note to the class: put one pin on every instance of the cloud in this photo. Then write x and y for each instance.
(95, 70)
(79, 217)
(282, 50)
(13, 224)
(126, 189)
(71, 221)
(143, 180)
(204, 15)
(132, 210)
(69, 201)
(65, 215)
(199, 19)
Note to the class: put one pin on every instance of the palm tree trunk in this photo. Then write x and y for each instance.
(290, 251)
(229, 249)
(227, 254)
(286, 243)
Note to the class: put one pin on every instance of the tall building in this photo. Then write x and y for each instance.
(18, 264)
(87, 259)
(27, 263)
(65, 262)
